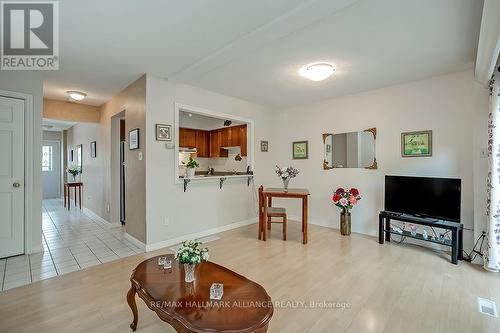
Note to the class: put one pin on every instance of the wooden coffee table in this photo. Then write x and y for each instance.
(244, 307)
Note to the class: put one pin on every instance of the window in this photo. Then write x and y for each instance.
(47, 158)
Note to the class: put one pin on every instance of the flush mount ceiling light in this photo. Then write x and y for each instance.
(76, 95)
(317, 71)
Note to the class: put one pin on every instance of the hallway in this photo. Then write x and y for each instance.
(72, 241)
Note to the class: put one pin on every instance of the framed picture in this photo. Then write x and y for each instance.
(300, 150)
(133, 139)
(93, 149)
(264, 146)
(79, 157)
(163, 132)
(416, 144)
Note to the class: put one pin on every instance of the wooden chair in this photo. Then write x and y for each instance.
(277, 212)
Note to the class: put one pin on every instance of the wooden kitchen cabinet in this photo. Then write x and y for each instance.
(202, 143)
(243, 140)
(211, 143)
(187, 138)
(216, 144)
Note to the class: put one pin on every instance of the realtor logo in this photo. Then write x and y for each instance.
(30, 35)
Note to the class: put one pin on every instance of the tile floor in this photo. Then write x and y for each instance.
(71, 241)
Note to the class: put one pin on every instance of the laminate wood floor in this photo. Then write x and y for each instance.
(388, 288)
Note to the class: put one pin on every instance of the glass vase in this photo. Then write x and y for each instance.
(345, 223)
(285, 183)
(189, 272)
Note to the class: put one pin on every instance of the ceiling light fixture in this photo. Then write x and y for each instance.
(76, 95)
(317, 71)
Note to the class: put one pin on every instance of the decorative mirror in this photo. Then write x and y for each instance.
(350, 150)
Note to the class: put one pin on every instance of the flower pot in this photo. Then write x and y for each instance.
(345, 223)
(189, 272)
(190, 172)
(285, 183)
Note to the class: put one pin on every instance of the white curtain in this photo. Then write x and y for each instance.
(491, 255)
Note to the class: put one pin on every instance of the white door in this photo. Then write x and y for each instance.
(11, 176)
(51, 169)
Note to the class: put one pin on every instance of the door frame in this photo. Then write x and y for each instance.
(59, 186)
(28, 163)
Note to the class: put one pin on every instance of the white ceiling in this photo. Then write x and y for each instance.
(199, 121)
(56, 125)
(253, 49)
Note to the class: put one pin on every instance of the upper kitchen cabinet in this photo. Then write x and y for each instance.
(187, 138)
(202, 143)
(235, 136)
(216, 149)
(243, 139)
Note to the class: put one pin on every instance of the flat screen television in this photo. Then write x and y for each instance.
(422, 196)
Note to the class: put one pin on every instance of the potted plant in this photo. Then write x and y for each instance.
(286, 174)
(346, 199)
(190, 255)
(191, 166)
(74, 171)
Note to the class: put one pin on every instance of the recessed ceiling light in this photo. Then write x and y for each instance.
(76, 95)
(190, 114)
(317, 71)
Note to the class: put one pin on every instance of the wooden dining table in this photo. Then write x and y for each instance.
(292, 193)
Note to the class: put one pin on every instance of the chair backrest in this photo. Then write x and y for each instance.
(261, 199)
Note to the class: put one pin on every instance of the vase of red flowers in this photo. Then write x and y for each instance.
(345, 199)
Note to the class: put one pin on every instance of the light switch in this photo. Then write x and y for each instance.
(140, 156)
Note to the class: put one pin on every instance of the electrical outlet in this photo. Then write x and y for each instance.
(484, 153)
(140, 156)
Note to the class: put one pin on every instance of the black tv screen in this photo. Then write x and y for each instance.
(421, 196)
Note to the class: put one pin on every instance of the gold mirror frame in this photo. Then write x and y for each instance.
(374, 165)
(325, 163)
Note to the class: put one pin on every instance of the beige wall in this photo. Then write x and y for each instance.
(133, 100)
(67, 111)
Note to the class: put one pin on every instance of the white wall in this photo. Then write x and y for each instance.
(449, 105)
(30, 82)
(92, 176)
(172, 213)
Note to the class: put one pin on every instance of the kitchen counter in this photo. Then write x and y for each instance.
(218, 174)
(221, 176)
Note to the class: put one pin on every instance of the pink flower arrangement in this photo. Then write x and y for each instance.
(346, 199)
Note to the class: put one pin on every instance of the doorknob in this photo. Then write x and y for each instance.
(16, 184)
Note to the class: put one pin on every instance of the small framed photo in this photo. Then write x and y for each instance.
(416, 144)
(133, 139)
(300, 150)
(164, 132)
(264, 146)
(93, 149)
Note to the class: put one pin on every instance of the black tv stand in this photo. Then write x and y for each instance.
(456, 229)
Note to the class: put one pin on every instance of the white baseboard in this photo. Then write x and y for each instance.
(99, 219)
(197, 235)
(135, 241)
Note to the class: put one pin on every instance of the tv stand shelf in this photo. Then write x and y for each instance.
(455, 228)
(445, 242)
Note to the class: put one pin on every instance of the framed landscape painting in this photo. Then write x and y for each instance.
(300, 150)
(416, 144)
